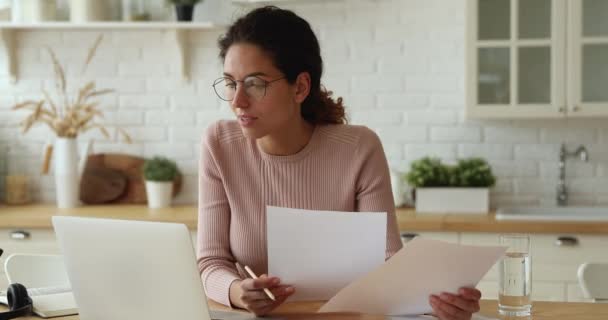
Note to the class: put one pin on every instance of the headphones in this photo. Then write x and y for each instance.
(19, 302)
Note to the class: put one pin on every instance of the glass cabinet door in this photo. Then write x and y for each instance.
(515, 49)
(589, 50)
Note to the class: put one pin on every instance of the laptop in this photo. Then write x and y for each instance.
(121, 269)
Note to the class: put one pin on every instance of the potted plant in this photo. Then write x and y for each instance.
(442, 188)
(184, 9)
(159, 173)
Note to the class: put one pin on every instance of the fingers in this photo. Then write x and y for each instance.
(470, 293)
(471, 306)
(260, 283)
(255, 299)
(446, 311)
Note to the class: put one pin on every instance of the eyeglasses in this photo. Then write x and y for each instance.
(255, 87)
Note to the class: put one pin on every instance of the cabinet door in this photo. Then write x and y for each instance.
(588, 58)
(515, 58)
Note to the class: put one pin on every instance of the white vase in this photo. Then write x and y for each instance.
(67, 176)
(159, 194)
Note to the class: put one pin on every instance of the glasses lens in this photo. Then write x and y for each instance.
(225, 88)
(255, 87)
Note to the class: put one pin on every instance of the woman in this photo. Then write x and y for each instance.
(289, 147)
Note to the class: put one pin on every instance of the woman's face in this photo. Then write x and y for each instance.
(260, 112)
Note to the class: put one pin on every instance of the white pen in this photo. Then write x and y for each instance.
(268, 293)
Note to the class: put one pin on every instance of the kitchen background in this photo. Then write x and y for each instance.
(399, 64)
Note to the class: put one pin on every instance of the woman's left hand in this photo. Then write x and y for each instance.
(461, 306)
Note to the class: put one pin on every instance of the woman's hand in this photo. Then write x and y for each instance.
(249, 294)
(447, 306)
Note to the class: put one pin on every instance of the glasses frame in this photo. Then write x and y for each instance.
(266, 84)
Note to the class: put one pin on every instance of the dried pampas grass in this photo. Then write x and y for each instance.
(68, 118)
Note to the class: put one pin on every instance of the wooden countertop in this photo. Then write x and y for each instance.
(39, 216)
(540, 311)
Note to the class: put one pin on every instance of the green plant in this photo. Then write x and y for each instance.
(472, 172)
(184, 2)
(430, 172)
(160, 169)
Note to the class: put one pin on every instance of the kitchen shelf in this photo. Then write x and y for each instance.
(180, 30)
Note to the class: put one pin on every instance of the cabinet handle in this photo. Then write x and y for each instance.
(19, 235)
(576, 108)
(408, 236)
(566, 242)
(561, 109)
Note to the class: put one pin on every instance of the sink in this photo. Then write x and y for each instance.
(553, 213)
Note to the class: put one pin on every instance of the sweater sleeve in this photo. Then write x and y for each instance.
(216, 263)
(374, 187)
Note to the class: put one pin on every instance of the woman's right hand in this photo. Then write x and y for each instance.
(249, 294)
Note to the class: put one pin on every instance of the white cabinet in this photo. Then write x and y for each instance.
(537, 59)
(554, 262)
(25, 241)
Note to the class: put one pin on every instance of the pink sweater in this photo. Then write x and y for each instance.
(342, 168)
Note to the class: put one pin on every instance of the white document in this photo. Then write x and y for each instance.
(403, 284)
(320, 252)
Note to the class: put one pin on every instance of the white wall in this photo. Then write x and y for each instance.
(399, 64)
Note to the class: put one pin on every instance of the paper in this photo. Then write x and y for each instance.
(403, 284)
(320, 252)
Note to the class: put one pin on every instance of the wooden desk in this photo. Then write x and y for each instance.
(540, 311)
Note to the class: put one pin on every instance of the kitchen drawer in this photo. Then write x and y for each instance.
(589, 248)
(575, 294)
(38, 241)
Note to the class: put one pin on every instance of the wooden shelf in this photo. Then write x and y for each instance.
(112, 25)
(180, 30)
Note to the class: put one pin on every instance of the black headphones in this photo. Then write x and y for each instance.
(19, 302)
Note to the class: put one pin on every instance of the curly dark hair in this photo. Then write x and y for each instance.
(294, 48)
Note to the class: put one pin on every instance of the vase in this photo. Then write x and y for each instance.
(67, 177)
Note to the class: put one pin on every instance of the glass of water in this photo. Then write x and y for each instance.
(515, 276)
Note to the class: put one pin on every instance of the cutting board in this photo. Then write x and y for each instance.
(116, 178)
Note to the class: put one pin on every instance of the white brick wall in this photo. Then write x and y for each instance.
(399, 64)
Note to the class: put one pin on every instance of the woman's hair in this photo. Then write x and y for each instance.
(294, 48)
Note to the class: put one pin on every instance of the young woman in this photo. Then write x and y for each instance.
(289, 147)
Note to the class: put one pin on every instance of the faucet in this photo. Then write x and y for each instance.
(562, 190)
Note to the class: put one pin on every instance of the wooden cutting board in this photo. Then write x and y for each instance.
(101, 180)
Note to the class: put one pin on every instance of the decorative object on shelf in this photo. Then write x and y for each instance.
(68, 118)
(134, 10)
(103, 176)
(16, 185)
(159, 173)
(441, 188)
(184, 9)
(37, 10)
(82, 11)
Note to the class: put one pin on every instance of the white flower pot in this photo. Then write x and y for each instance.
(452, 200)
(159, 194)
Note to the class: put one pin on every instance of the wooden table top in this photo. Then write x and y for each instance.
(540, 311)
(39, 216)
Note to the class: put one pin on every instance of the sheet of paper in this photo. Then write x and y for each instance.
(320, 252)
(403, 284)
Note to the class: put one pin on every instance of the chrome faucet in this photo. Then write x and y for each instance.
(562, 190)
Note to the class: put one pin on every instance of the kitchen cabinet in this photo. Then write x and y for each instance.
(537, 59)
(555, 261)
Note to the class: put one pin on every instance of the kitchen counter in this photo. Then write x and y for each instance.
(540, 311)
(39, 216)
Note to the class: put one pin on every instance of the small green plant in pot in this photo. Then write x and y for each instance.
(442, 188)
(184, 9)
(159, 173)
